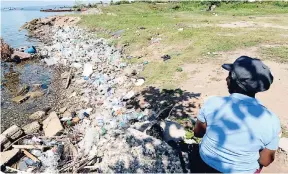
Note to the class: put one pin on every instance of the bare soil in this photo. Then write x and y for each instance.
(208, 78)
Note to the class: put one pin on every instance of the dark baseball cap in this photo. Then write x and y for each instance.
(251, 74)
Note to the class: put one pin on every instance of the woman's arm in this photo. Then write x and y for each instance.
(200, 129)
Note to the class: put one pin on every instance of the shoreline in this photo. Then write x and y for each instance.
(98, 83)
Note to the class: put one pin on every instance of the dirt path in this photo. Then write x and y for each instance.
(209, 79)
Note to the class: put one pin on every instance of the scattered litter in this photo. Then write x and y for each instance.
(166, 57)
(129, 95)
(118, 33)
(180, 29)
(85, 139)
(139, 82)
(62, 110)
(30, 50)
(88, 70)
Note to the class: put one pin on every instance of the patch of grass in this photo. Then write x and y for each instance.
(189, 135)
(279, 53)
(284, 131)
(200, 33)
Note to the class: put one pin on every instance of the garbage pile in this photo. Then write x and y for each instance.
(94, 128)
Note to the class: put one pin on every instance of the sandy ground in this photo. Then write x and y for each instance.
(208, 78)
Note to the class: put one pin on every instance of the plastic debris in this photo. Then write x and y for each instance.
(31, 49)
(88, 70)
(139, 82)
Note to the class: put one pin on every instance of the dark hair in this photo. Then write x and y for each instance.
(235, 88)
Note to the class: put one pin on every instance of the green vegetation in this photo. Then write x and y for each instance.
(279, 53)
(188, 32)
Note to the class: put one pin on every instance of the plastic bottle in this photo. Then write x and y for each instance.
(83, 113)
(72, 122)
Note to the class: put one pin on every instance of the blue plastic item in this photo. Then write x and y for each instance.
(44, 86)
(31, 49)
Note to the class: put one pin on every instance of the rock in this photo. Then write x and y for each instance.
(62, 110)
(180, 29)
(21, 55)
(139, 82)
(24, 90)
(166, 57)
(283, 144)
(13, 132)
(6, 51)
(37, 115)
(52, 125)
(35, 94)
(130, 72)
(7, 156)
(172, 131)
(31, 128)
(20, 99)
(67, 114)
(5, 143)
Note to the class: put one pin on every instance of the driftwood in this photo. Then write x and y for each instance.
(30, 147)
(28, 154)
(68, 79)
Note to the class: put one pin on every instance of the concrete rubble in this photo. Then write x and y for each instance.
(92, 132)
(6, 50)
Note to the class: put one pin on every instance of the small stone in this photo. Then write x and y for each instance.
(5, 143)
(52, 125)
(35, 94)
(67, 114)
(62, 110)
(24, 90)
(31, 128)
(21, 55)
(20, 99)
(13, 132)
(37, 115)
(8, 155)
(130, 72)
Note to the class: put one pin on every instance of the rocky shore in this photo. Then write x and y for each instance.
(100, 123)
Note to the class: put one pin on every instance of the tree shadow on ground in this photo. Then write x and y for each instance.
(150, 155)
(175, 103)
